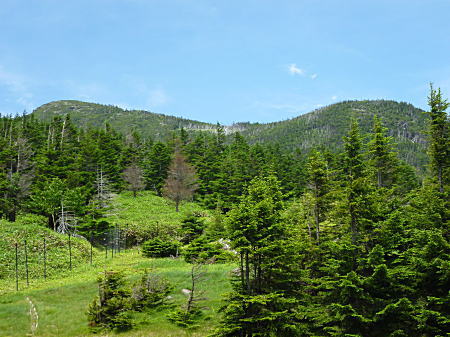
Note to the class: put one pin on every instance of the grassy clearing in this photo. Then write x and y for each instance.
(62, 303)
(148, 215)
(57, 250)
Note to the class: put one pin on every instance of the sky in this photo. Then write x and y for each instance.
(222, 60)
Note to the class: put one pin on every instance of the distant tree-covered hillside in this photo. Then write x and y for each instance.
(148, 124)
(324, 127)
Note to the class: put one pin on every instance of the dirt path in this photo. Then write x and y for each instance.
(34, 317)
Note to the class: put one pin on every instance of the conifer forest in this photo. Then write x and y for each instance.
(344, 233)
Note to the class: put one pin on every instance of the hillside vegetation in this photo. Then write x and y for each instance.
(325, 127)
(148, 124)
(57, 250)
(343, 240)
(148, 215)
(322, 127)
(61, 304)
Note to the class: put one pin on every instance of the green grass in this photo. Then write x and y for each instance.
(62, 299)
(57, 250)
(61, 303)
(148, 215)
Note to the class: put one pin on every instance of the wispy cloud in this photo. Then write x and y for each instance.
(294, 70)
(18, 87)
(157, 97)
(334, 97)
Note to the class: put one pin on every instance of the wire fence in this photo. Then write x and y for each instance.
(41, 258)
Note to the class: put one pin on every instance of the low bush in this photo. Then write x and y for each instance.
(150, 291)
(160, 248)
(111, 309)
(201, 249)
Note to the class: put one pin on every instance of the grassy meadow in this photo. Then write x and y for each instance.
(61, 303)
(61, 300)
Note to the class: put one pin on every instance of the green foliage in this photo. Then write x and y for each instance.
(202, 249)
(150, 291)
(185, 319)
(57, 250)
(156, 166)
(318, 128)
(148, 216)
(111, 310)
(192, 227)
(439, 132)
(159, 248)
(262, 299)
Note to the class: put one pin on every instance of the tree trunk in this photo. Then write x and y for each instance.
(316, 219)
(247, 272)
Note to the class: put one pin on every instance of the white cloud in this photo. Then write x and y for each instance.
(157, 97)
(294, 70)
(334, 97)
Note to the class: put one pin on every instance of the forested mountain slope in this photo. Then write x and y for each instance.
(148, 124)
(321, 127)
(326, 126)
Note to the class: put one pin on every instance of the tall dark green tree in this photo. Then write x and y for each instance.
(355, 181)
(261, 303)
(381, 156)
(319, 186)
(439, 131)
(156, 165)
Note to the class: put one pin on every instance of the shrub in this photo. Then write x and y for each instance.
(150, 291)
(192, 227)
(111, 309)
(201, 249)
(159, 248)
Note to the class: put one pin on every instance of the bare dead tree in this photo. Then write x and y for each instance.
(133, 175)
(104, 195)
(66, 220)
(181, 181)
(187, 315)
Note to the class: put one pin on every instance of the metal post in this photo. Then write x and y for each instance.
(90, 241)
(17, 269)
(45, 260)
(70, 254)
(111, 240)
(26, 262)
(118, 239)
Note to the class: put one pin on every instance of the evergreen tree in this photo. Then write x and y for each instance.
(439, 148)
(319, 186)
(156, 165)
(356, 183)
(262, 300)
(381, 156)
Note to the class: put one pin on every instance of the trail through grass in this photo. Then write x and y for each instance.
(61, 303)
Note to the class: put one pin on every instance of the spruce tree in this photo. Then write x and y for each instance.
(319, 186)
(262, 301)
(439, 147)
(381, 156)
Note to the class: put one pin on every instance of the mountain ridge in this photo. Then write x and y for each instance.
(321, 127)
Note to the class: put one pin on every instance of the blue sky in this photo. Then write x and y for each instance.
(224, 61)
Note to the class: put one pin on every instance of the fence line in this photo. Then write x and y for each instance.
(29, 256)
